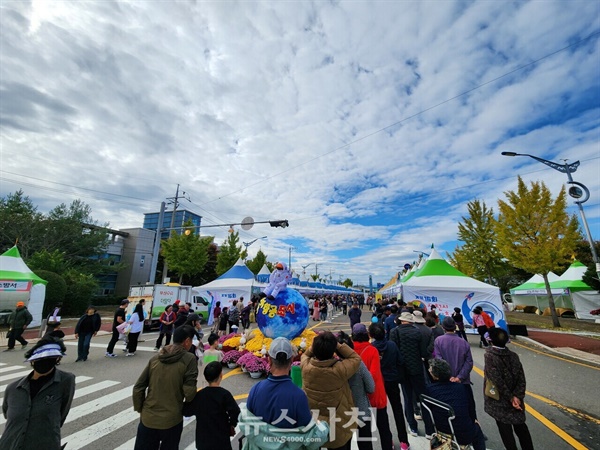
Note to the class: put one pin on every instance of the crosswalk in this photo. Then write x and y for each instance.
(100, 408)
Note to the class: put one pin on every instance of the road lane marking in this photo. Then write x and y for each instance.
(94, 387)
(240, 396)
(10, 376)
(555, 429)
(100, 429)
(11, 368)
(235, 371)
(94, 406)
(563, 407)
(554, 356)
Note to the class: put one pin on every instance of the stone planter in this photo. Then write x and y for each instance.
(232, 365)
(255, 374)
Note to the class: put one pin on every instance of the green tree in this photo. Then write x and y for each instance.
(229, 253)
(81, 288)
(21, 223)
(56, 289)
(348, 283)
(257, 262)
(186, 253)
(535, 232)
(54, 261)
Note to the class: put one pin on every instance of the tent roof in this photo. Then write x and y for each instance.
(12, 267)
(536, 282)
(264, 270)
(572, 278)
(238, 271)
(438, 272)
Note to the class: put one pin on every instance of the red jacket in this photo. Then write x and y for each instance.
(488, 320)
(370, 356)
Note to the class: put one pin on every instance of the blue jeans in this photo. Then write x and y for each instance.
(83, 345)
(153, 439)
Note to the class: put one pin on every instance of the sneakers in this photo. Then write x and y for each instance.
(414, 432)
(24, 346)
(156, 349)
(404, 446)
(418, 417)
(129, 354)
(429, 437)
(110, 355)
(9, 350)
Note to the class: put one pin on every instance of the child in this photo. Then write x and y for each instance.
(223, 320)
(53, 330)
(216, 412)
(213, 353)
(460, 324)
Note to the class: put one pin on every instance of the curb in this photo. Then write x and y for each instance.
(530, 342)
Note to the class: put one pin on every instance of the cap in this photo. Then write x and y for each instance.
(124, 302)
(359, 328)
(418, 317)
(281, 345)
(177, 302)
(46, 351)
(407, 317)
(448, 324)
(20, 304)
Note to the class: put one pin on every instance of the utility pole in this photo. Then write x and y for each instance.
(175, 201)
(158, 237)
(290, 258)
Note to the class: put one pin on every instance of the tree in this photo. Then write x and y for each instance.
(535, 232)
(257, 263)
(348, 283)
(56, 289)
(20, 222)
(229, 253)
(187, 253)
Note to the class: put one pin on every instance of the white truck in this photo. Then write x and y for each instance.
(159, 296)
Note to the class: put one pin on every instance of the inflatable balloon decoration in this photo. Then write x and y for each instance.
(281, 312)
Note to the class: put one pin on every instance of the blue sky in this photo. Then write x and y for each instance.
(368, 125)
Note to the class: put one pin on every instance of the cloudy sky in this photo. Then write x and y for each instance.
(368, 125)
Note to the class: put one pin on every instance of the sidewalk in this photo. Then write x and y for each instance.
(578, 346)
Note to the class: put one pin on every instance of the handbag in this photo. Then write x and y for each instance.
(441, 441)
(491, 390)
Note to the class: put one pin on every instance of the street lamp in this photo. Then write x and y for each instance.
(248, 244)
(578, 191)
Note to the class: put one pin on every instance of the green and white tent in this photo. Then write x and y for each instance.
(569, 291)
(19, 284)
(438, 282)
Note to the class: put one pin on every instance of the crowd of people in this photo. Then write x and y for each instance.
(348, 379)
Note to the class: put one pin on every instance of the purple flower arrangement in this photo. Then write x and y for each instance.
(256, 365)
(246, 358)
(227, 336)
(232, 356)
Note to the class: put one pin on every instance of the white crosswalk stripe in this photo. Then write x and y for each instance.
(11, 368)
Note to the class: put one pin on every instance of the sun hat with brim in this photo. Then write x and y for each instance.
(46, 351)
(418, 315)
(407, 317)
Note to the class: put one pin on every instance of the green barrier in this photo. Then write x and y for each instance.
(297, 376)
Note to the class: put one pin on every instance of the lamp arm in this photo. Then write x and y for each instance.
(564, 168)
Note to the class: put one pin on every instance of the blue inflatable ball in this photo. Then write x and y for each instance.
(374, 319)
(286, 316)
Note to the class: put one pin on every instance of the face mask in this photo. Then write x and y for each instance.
(220, 346)
(45, 365)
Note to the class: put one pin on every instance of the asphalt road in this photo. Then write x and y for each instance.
(563, 401)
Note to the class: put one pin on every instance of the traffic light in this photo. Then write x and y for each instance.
(279, 223)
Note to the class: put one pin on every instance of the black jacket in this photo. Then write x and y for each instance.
(392, 363)
(412, 347)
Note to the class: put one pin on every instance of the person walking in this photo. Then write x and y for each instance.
(18, 321)
(234, 317)
(354, 315)
(168, 379)
(460, 323)
(245, 316)
(503, 370)
(137, 325)
(215, 318)
(479, 320)
(36, 406)
(118, 319)
(223, 321)
(87, 326)
(167, 325)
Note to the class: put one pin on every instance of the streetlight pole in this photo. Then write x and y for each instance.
(248, 244)
(577, 191)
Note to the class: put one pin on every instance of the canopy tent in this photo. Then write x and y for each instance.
(438, 283)
(235, 283)
(391, 287)
(535, 281)
(264, 274)
(19, 284)
(568, 291)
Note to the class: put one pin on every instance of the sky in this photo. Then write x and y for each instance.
(368, 125)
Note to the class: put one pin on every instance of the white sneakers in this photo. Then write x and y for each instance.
(130, 354)
(110, 355)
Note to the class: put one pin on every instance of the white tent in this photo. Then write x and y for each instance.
(568, 291)
(19, 284)
(235, 283)
(438, 283)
